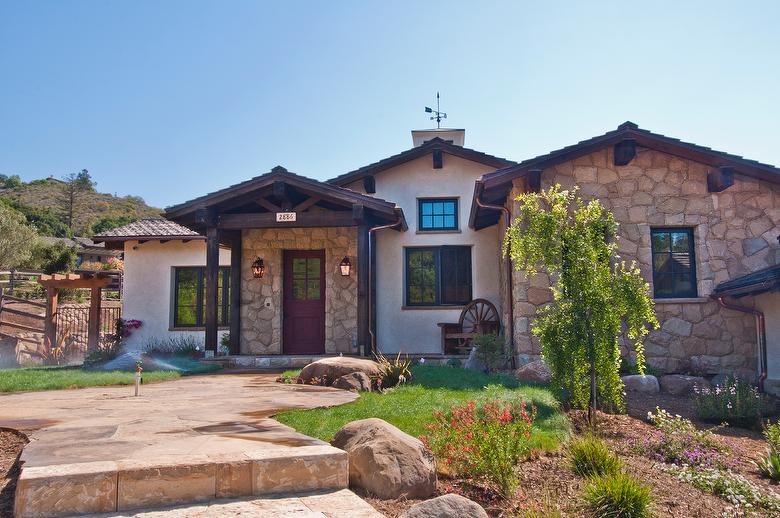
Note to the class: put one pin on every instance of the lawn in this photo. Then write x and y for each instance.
(411, 406)
(57, 378)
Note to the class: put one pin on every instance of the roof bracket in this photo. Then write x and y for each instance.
(369, 184)
(625, 151)
(438, 159)
(720, 178)
(534, 180)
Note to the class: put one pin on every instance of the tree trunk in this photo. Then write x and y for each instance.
(592, 404)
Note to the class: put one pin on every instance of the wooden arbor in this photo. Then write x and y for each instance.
(54, 283)
(281, 199)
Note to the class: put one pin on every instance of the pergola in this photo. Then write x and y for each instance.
(281, 199)
(54, 283)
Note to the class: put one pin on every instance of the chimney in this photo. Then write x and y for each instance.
(453, 136)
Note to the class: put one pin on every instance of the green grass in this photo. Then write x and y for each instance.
(410, 407)
(618, 496)
(57, 378)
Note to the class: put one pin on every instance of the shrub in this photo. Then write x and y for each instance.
(738, 490)
(184, 345)
(490, 349)
(484, 443)
(769, 464)
(454, 363)
(736, 402)
(676, 440)
(618, 495)
(590, 457)
(394, 372)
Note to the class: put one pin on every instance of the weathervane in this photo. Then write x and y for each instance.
(439, 115)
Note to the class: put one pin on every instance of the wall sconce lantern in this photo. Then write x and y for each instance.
(345, 266)
(258, 268)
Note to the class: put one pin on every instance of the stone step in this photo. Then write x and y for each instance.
(341, 503)
(124, 485)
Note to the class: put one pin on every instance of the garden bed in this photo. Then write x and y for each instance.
(548, 485)
(11, 444)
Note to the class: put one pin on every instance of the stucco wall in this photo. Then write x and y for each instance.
(261, 299)
(735, 233)
(410, 329)
(769, 303)
(148, 283)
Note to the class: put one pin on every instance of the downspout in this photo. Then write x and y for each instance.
(507, 267)
(760, 335)
(372, 264)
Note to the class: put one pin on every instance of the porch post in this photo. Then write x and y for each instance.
(362, 294)
(212, 274)
(50, 324)
(235, 293)
(93, 333)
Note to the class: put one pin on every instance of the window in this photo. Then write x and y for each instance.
(674, 263)
(438, 214)
(438, 276)
(306, 278)
(189, 308)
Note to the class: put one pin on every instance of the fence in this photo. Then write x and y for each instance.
(72, 324)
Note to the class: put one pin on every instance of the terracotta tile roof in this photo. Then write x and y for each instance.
(148, 228)
(753, 283)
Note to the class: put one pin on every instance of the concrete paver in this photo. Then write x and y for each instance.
(189, 440)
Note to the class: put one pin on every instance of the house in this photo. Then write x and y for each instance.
(378, 257)
(87, 251)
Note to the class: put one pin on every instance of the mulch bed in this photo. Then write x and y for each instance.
(548, 483)
(11, 444)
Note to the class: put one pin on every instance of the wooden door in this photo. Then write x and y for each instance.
(304, 302)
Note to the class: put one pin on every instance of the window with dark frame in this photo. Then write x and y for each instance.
(437, 214)
(674, 263)
(438, 276)
(189, 295)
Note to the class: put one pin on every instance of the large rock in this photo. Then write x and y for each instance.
(356, 381)
(637, 383)
(537, 371)
(385, 461)
(331, 369)
(447, 506)
(680, 384)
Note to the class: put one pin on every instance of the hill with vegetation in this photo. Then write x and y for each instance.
(71, 206)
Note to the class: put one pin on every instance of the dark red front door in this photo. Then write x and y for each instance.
(304, 302)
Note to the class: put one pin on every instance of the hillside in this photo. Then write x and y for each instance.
(44, 204)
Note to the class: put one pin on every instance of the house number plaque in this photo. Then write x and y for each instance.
(282, 217)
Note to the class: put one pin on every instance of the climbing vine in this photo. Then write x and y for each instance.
(597, 298)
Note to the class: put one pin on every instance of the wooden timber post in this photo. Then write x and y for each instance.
(93, 331)
(50, 324)
(212, 283)
(235, 293)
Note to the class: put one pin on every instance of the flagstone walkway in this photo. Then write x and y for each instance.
(196, 439)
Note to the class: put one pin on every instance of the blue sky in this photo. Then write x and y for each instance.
(170, 100)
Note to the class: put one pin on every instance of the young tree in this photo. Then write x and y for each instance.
(76, 184)
(16, 238)
(596, 297)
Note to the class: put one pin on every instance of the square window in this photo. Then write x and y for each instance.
(438, 214)
(674, 263)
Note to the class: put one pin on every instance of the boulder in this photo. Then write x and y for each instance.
(331, 369)
(680, 384)
(446, 506)
(637, 383)
(537, 371)
(355, 381)
(385, 461)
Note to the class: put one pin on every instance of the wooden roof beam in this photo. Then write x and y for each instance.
(720, 178)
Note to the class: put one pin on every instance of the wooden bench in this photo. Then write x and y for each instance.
(479, 316)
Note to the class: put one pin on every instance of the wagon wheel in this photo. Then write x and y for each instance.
(479, 316)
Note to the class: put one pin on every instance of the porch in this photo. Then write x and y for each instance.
(302, 254)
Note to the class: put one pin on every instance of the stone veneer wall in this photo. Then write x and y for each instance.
(261, 299)
(735, 232)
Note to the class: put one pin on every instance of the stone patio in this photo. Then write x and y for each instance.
(197, 439)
